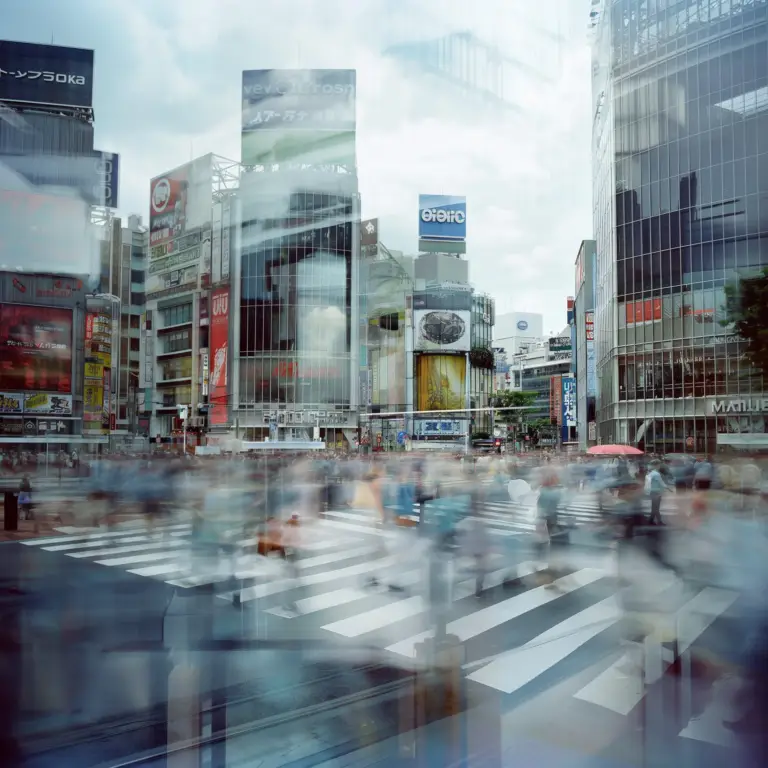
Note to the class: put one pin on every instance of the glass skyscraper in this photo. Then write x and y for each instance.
(296, 306)
(680, 194)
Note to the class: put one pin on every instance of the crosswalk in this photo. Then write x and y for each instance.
(359, 583)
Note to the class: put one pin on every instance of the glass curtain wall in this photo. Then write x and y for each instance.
(295, 305)
(681, 136)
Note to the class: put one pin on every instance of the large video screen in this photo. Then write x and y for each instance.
(35, 348)
(440, 382)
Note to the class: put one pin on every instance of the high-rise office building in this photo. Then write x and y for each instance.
(680, 168)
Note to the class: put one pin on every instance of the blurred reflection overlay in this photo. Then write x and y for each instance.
(259, 505)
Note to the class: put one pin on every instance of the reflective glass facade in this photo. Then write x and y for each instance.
(480, 372)
(680, 159)
(296, 303)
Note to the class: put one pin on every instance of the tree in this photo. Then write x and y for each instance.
(746, 307)
(511, 398)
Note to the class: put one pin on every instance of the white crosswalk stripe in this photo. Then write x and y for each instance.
(333, 591)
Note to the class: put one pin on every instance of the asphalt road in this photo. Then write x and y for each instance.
(103, 660)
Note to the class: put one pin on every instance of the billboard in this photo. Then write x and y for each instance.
(440, 382)
(11, 402)
(591, 370)
(646, 311)
(35, 348)
(369, 232)
(442, 218)
(298, 116)
(46, 74)
(219, 340)
(444, 299)
(44, 403)
(46, 233)
(568, 418)
(93, 177)
(179, 202)
(441, 330)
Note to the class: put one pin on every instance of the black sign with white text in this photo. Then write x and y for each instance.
(46, 74)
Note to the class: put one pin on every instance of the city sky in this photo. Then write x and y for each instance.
(167, 88)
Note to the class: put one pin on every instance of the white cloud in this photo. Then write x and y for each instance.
(167, 88)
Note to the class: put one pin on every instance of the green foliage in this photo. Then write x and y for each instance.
(482, 357)
(510, 398)
(746, 307)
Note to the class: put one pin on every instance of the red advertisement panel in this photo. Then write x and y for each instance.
(35, 348)
(219, 341)
(168, 206)
(643, 311)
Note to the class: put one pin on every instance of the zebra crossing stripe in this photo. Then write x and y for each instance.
(323, 601)
(615, 690)
(485, 619)
(88, 537)
(324, 577)
(142, 547)
(378, 618)
(518, 667)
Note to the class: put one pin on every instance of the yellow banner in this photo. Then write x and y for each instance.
(93, 397)
(94, 371)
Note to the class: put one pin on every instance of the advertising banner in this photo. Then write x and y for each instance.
(369, 232)
(298, 115)
(591, 370)
(219, 341)
(93, 177)
(443, 428)
(441, 330)
(560, 344)
(35, 348)
(443, 298)
(204, 372)
(94, 371)
(589, 323)
(11, 402)
(569, 401)
(11, 428)
(440, 382)
(555, 400)
(226, 223)
(179, 202)
(46, 74)
(46, 233)
(646, 311)
(43, 402)
(442, 218)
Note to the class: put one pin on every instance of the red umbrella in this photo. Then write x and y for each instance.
(614, 450)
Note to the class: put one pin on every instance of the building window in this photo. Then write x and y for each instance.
(137, 299)
(177, 341)
(135, 322)
(137, 275)
(181, 313)
(135, 345)
(180, 368)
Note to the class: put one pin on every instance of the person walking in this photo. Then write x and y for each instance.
(655, 485)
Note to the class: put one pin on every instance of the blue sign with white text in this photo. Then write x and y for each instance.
(442, 218)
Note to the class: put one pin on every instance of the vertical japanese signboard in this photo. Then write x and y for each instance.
(219, 345)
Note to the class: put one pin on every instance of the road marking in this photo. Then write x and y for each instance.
(322, 602)
(518, 667)
(377, 618)
(619, 692)
(488, 618)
